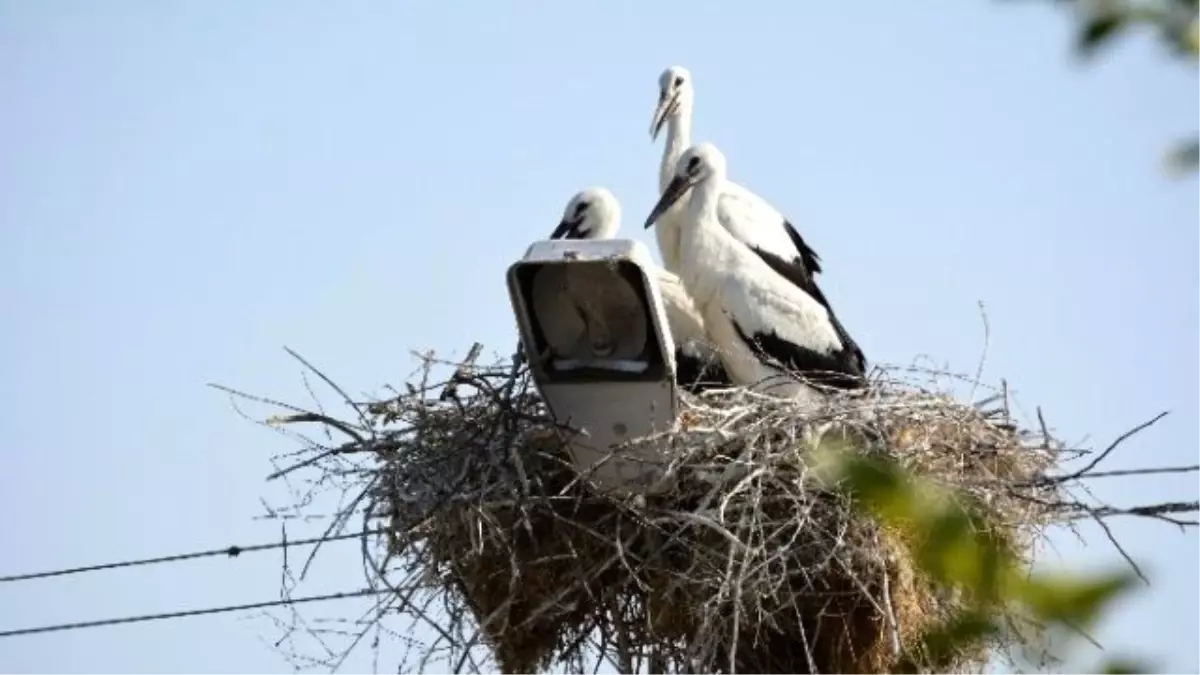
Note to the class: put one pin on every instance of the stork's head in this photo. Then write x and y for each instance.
(674, 97)
(701, 163)
(591, 214)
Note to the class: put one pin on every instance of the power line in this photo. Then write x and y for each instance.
(230, 551)
(190, 612)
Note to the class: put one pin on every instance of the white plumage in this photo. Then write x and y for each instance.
(746, 216)
(761, 323)
(595, 213)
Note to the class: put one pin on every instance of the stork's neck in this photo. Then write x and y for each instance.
(703, 242)
(679, 138)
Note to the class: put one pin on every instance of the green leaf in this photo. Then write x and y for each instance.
(940, 643)
(952, 544)
(946, 549)
(875, 484)
(1099, 29)
(1184, 158)
(1073, 600)
(878, 485)
(1122, 666)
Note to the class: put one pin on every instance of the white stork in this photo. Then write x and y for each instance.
(744, 214)
(763, 325)
(595, 214)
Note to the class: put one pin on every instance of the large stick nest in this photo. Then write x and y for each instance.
(748, 564)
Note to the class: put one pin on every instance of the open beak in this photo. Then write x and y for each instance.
(666, 106)
(566, 230)
(678, 187)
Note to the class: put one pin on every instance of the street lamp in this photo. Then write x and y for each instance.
(595, 334)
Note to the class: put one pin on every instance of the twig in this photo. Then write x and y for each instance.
(462, 373)
(1112, 446)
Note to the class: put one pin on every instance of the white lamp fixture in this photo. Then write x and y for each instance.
(598, 344)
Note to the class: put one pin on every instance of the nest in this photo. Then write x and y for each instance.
(747, 564)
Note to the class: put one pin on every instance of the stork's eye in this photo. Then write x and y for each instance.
(679, 81)
(693, 164)
(580, 208)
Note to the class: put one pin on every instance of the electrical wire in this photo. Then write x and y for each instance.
(190, 613)
(230, 551)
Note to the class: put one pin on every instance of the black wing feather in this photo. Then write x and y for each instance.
(812, 261)
(795, 272)
(838, 369)
(809, 285)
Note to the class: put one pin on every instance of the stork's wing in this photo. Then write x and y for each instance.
(757, 224)
(858, 359)
(812, 261)
(781, 323)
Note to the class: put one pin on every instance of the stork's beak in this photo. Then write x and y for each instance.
(678, 186)
(565, 230)
(666, 106)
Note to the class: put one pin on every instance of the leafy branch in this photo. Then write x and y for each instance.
(1175, 21)
(953, 547)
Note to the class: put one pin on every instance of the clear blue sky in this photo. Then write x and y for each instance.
(185, 187)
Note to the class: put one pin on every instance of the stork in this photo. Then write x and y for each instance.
(746, 216)
(763, 325)
(595, 214)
